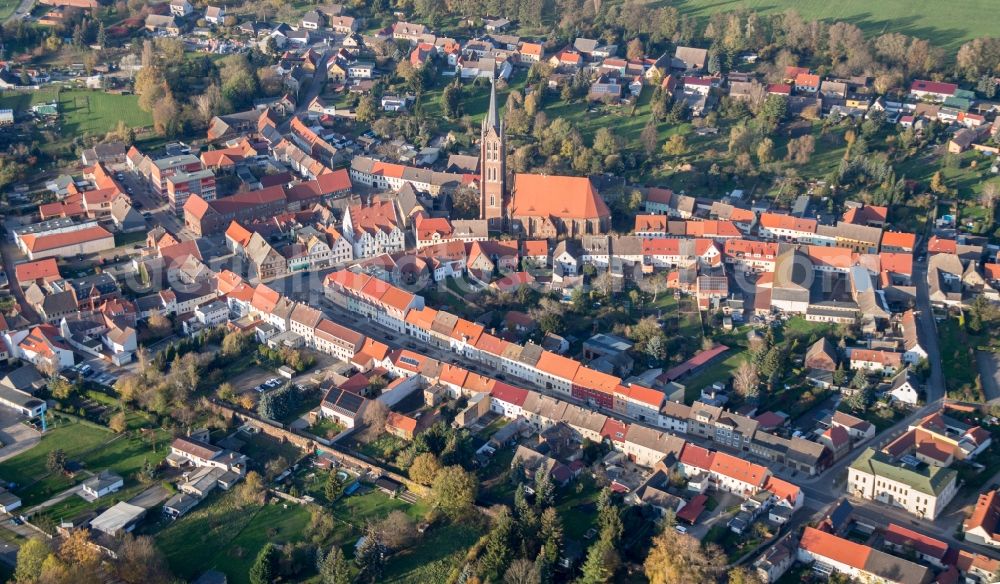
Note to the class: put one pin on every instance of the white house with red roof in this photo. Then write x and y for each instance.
(374, 229)
(932, 90)
(42, 345)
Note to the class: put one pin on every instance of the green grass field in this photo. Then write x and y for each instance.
(7, 8)
(88, 113)
(947, 25)
(95, 447)
(94, 113)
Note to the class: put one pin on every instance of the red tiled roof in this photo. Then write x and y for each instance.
(738, 469)
(508, 393)
(39, 270)
(557, 365)
(38, 243)
(835, 548)
(899, 239)
(782, 489)
(614, 430)
(568, 197)
(902, 536)
(697, 456)
(986, 514)
(401, 422)
(933, 87)
(690, 512)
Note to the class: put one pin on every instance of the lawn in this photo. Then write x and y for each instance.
(578, 508)
(220, 535)
(275, 523)
(719, 371)
(93, 113)
(84, 112)
(264, 448)
(958, 361)
(435, 555)
(95, 447)
(947, 28)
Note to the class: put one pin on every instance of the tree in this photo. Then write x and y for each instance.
(263, 570)
(454, 491)
(159, 325)
(61, 388)
(606, 143)
(424, 468)
(765, 151)
(656, 347)
(397, 530)
(465, 202)
(367, 109)
(56, 460)
(741, 575)
(251, 490)
(991, 193)
(370, 555)
(117, 423)
(76, 549)
(30, 557)
(634, 50)
(938, 185)
(140, 562)
(800, 149)
(333, 487)
(601, 562)
(451, 100)
(677, 558)
(165, 119)
(497, 552)
(210, 103)
(675, 146)
(374, 417)
(333, 567)
(746, 382)
(649, 138)
(521, 571)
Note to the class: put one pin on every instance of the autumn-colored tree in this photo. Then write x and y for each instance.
(117, 423)
(678, 558)
(424, 468)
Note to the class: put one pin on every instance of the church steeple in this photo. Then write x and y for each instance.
(492, 118)
(492, 166)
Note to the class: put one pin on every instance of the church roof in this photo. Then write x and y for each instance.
(567, 197)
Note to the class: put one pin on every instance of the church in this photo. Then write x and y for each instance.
(536, 205)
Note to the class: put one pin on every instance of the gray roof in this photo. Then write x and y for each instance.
(24, 378)
(117, 518)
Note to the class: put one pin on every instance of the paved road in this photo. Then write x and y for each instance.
(161, 213)
(10, 254)
(315, 86)
(23, 9)
(928, 334)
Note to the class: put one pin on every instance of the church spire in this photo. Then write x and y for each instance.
(492, 118)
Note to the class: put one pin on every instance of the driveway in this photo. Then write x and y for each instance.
(15, 436)
(151, 497)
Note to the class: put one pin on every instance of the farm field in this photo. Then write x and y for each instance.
(963, 19)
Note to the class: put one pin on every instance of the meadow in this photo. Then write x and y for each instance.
(947, 25)
(83, 112)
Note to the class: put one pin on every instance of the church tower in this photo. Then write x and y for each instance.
(492, 167)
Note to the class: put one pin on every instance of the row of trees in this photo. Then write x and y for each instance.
(75, 560)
